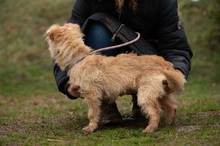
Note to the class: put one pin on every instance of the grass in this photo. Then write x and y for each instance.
(33, 112)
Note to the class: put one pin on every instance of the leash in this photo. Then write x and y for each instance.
(116, 46)
(104, 49)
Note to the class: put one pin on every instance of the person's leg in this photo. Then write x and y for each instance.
(97, 36)
(136, 110)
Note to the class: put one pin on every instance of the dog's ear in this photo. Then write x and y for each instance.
(52, 31)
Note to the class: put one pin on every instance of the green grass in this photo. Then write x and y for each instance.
(33, 112)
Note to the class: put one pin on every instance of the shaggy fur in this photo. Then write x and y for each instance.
(105, 78)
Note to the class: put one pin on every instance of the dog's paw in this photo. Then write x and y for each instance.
(171, 122)
(89, 129)
(148, 130)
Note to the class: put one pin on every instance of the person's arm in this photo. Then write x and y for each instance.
(79, 15)
(81, 11)
(173, 44)
(62, 79)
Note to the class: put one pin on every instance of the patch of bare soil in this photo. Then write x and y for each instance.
(203, 119)
(188, 128)
(14, 127)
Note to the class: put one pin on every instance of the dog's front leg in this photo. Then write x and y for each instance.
(94, 106)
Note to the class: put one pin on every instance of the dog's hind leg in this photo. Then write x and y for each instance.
(169, 106)
(148, 101)
(94, 105)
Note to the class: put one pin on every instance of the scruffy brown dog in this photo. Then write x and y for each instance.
(106, 78)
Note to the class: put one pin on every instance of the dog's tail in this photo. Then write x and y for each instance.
(175, 80)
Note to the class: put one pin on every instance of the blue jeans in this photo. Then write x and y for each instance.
(97, 36)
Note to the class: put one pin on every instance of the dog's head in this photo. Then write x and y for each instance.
(63, 42)
(63, 37)
(56, 32)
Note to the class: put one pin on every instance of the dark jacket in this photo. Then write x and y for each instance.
(154, 19)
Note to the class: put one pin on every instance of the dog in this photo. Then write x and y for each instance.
(103, 78)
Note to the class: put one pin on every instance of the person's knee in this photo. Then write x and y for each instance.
(98, 36)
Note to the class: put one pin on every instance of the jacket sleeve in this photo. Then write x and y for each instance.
(173, 44)
(62, 79)
(79, 15)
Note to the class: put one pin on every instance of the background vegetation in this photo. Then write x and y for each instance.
(33, 112)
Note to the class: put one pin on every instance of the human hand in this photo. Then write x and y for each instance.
(73, 90)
